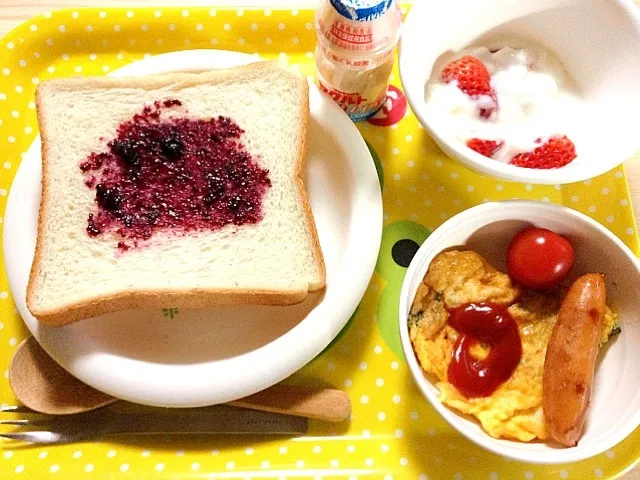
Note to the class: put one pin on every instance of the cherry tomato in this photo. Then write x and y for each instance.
(538, 258)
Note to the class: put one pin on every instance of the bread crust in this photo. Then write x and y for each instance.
(195, 298)
(188, 298)
(302, 146)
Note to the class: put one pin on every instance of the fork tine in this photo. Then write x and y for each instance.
(49, 421)
(16, 409)
(33, 437)
(15, 422)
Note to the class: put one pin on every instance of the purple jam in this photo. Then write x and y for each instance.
(175, 173)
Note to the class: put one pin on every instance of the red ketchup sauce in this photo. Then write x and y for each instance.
(494, 326)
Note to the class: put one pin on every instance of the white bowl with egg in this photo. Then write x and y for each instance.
(614, 412)
(597, 43)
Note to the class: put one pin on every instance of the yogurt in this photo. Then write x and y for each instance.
(536, 100)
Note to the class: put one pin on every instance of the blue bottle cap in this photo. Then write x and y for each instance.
(361, 10)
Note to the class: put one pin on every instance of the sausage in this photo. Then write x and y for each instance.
(571, 357)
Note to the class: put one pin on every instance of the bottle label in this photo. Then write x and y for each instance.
(350, 36)
(361, 10)
(358, 105)
(356, 36)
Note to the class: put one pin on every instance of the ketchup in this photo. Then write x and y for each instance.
(493, 325)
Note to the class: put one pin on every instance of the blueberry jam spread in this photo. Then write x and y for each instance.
(175, 173)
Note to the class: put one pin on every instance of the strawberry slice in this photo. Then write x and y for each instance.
(484, 147)
(471, 74)
(555, 153)
(473, 78)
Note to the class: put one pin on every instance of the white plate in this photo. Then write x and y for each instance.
(209, 356)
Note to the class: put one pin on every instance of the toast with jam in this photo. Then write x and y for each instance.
(178, 190)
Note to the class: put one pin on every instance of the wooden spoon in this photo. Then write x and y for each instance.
(44, 386)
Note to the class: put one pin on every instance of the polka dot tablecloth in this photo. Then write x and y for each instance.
(394, 433)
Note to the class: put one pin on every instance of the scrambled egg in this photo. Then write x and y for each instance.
(514, 410)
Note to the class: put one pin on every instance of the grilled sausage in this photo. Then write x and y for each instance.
(571, 356)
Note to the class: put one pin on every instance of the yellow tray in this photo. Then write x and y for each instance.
(394, 433)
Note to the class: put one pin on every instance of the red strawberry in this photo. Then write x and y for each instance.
(555, 153)
(472, 78)
(484, 147)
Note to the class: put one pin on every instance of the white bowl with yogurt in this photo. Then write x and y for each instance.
(563, 67)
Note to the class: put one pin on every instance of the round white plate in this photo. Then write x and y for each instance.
(207, 356)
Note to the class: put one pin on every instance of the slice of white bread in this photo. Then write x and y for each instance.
(276, 261)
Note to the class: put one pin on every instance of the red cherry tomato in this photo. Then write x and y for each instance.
(538, 258)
